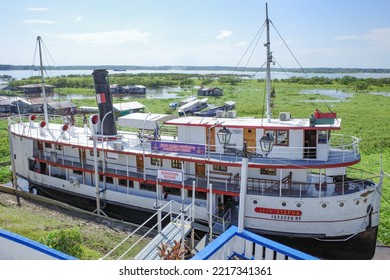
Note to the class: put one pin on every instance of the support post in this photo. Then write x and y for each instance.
(243, 189)
(211, 212)
(95, 163)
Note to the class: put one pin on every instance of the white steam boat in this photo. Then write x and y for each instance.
(297, 183)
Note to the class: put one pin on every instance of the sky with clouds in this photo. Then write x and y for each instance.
(320, 33)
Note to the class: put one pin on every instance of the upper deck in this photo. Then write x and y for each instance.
(341, 150)
(242, 122)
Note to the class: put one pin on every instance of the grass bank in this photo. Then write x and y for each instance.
(364, 114)
(35, 220)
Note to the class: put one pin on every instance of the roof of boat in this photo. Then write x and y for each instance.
(248, 122)
(143, 120)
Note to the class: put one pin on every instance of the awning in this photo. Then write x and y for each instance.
(143, 120)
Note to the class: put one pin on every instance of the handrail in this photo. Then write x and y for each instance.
(261, 186)
(338, 142)
(169, 237)
(169, 204)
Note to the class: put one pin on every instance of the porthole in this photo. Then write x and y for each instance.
(284, 204)
(357, 202)
(341, 204)
(323, 205)
(299, 205)
(254, 201)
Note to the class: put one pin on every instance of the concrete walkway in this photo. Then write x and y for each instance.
(382, 253)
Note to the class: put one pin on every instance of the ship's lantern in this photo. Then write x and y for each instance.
(224, 135)
(32, 118)
(65, 127)
(266, 143)
(42, 124)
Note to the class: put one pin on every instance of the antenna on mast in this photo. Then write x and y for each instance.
(39, 39)
(269, 61)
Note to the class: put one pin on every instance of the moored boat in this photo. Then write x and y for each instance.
(297, 174)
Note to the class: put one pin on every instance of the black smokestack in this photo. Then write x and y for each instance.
(104, 100)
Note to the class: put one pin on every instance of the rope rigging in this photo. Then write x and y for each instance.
(255, 41)
(46, 56)
(251, 50)
(300, 66)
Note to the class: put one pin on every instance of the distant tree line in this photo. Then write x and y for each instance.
(358, 83)
(199, 68)
(154, 80)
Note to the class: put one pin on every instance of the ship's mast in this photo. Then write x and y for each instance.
(39, 39)
(269, 60)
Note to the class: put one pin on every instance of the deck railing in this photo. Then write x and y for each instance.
(257, 186)
(342, 148)
(245, 245)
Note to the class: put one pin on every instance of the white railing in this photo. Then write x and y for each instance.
(248, 246)
(169, 214)
(342, 148)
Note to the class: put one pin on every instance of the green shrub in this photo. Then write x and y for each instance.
(67, 241)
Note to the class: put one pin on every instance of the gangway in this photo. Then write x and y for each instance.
(179, 225)
(171, 233)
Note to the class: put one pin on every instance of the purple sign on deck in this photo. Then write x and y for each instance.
(176, 147)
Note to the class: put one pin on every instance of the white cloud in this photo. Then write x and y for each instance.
(346, 37)
(108, 38)
(37, 9)
(241, 44)
(39, 21)
(378, 36)
(78, 19)
(223, 34)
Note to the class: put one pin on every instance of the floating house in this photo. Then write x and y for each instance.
(210, 92)
(35, 89)
(64, 107)
(137, 89)
(6, 105)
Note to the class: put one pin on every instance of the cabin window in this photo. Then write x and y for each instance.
(78, 172)
(322, 136)
(109, 180)
(148, 187)
(199, 195)
(268, 171)
(40, 146)
(156, 161)
(280, 137)
(176, 164)
(47, 145)
(59, 147)
(125, 183)
(171, 191)
(91, 153)
(219, 167)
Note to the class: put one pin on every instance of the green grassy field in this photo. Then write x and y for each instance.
(364, 115)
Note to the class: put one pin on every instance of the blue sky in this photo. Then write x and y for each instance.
(320, 33)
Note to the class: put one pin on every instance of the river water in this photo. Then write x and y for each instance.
(20, 74)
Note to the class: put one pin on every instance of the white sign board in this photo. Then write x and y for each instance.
(169, 175)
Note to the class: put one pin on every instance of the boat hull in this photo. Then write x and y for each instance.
(111, 209)
(360, 247)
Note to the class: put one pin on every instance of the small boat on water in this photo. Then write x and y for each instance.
(212, 112)
(192, 107)
(292, 179)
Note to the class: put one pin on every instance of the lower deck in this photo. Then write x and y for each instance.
(317, 185)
